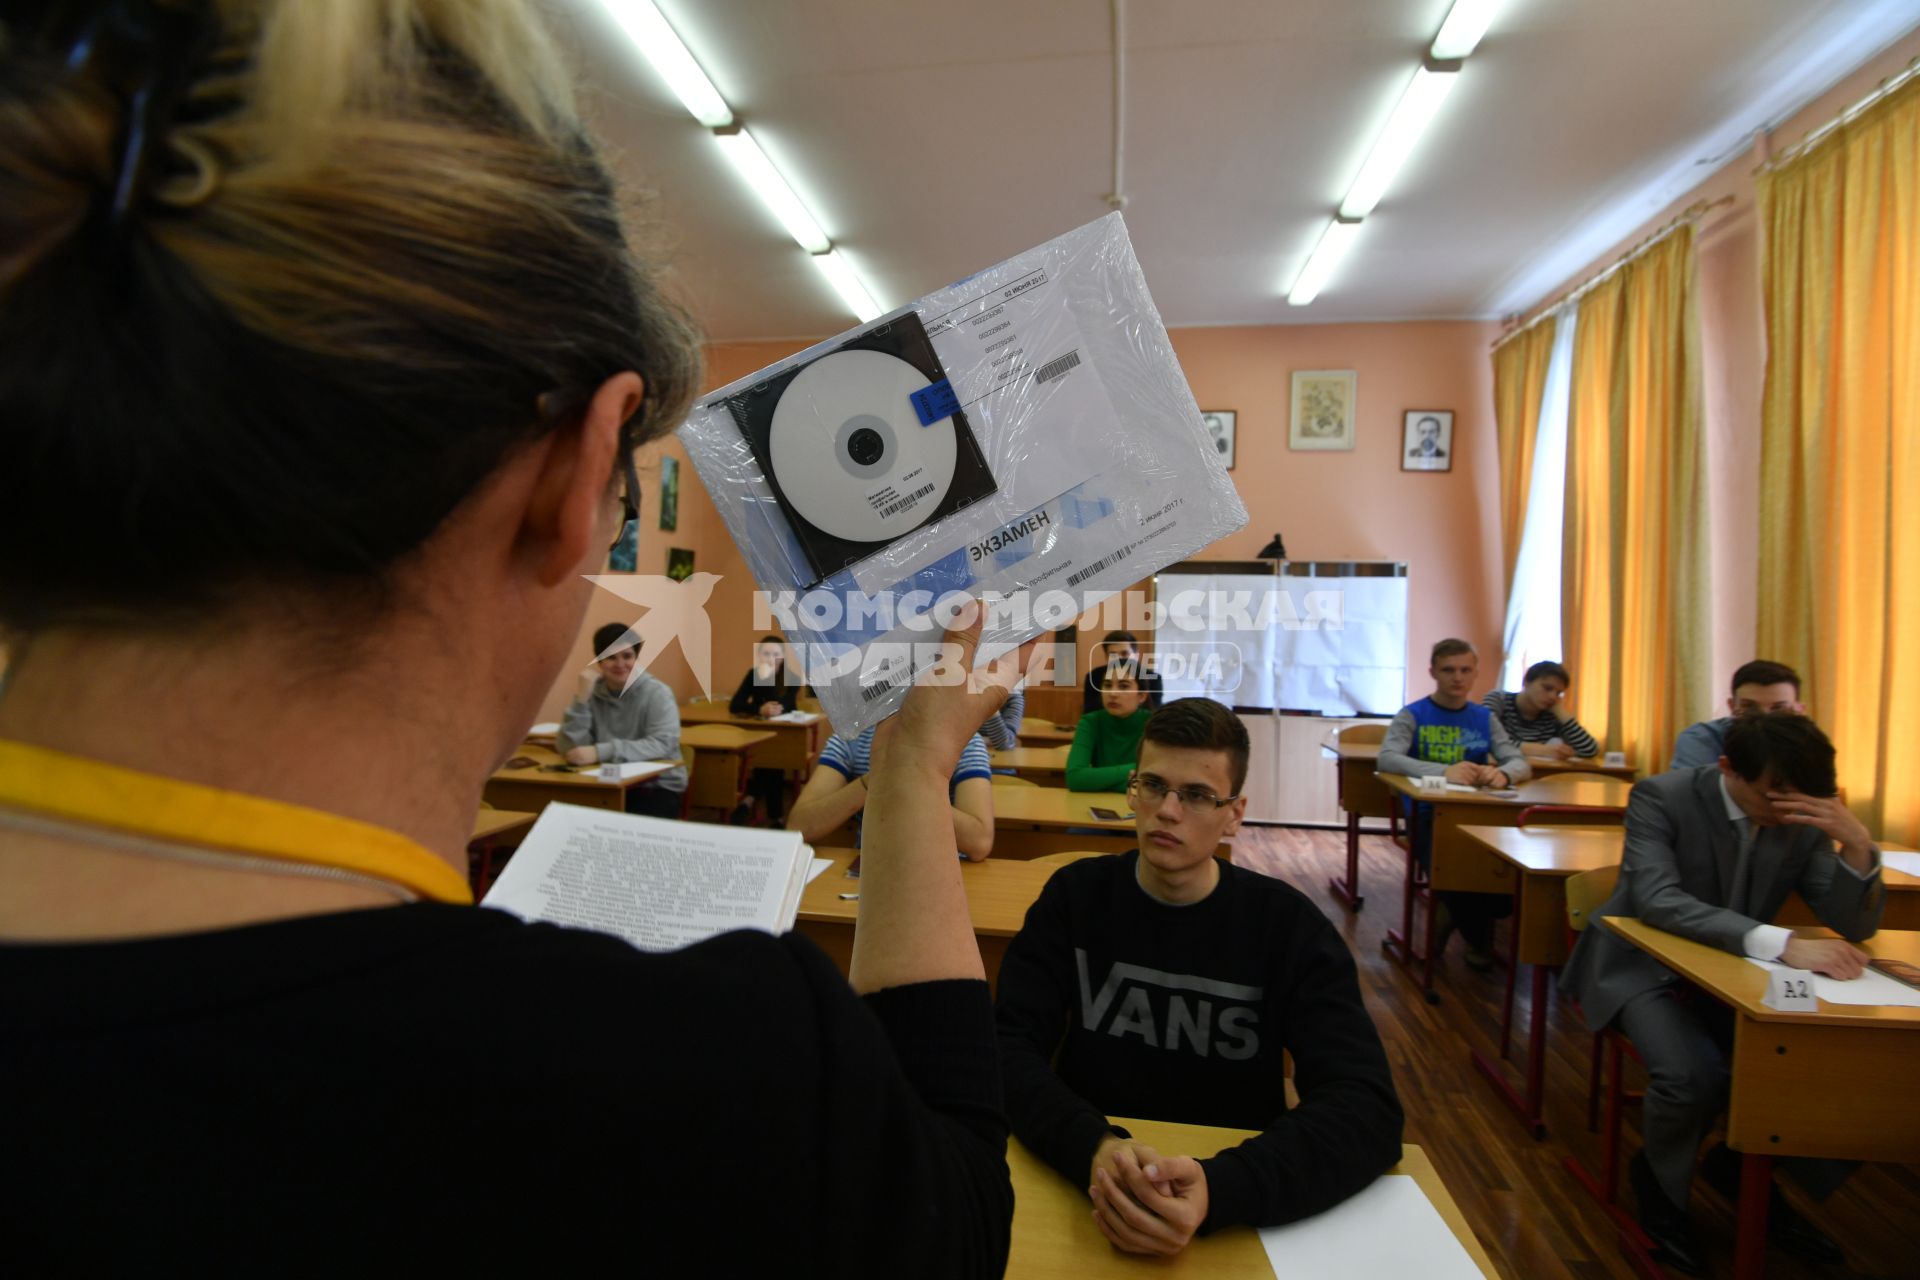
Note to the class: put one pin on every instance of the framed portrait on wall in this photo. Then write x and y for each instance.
(1220, 428)
(1427, 440)
(1323, 409)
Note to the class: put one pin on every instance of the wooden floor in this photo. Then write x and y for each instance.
(1533, 1218)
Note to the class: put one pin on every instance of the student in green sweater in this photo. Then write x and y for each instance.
(1106, 742)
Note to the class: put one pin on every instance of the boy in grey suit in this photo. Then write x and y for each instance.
(1711, 854)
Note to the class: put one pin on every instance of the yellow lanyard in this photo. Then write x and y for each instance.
(88, 793)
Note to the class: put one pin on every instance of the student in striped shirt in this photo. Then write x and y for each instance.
(838, 790)
(1537, 717)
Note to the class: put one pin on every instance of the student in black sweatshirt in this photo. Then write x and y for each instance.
(1170, 982)
(764, 692)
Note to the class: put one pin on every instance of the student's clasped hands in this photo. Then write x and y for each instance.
(1144, 1202)
(1469, 774)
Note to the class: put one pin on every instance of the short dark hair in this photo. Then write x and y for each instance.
(615, 635)
(1204, 724)
(1790, 747)
(1761, 671)
(1547, 668)
(771, 640)
(1121, 637)
(1447, 648)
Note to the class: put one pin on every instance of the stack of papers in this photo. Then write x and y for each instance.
(628, 772)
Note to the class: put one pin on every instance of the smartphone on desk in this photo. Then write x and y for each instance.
(1108, 815)
(1898, 970)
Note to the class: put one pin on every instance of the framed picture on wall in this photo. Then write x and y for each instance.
(1427, 443)
(679, 563)
(669, 494)
(1323, 406)
(1220, 427)
(625, 556)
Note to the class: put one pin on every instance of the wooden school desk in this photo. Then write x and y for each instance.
(792, 749)
(1044, 765)
(1541, 860)
(1054, 1237)
(723, 759)
(998, 895)
(1362, 795)
(1036, 731)
(532, 790)
(1459, 864)
(1838, 1083)
(1031, 821)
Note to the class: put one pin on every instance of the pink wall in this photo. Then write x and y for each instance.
(1733, 352)
(1361, 505)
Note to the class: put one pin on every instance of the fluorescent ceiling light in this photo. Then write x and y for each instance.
(1466, 22)
(752, 162)
(834, 267)
(1334, 243)
(1418, 105)
(648, 29)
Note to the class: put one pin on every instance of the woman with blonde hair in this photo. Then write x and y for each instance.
(323, 358)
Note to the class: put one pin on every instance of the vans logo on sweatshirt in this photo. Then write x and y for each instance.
(1172, 1011)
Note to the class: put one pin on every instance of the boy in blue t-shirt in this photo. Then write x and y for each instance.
(1447, 733)
(838, 790)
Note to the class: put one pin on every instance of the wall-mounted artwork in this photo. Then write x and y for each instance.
(1427, 444)
(669, 494)
(625, 556)
(679, 563)
(1220, 427)
(1323, 405)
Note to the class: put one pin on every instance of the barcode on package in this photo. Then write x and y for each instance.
(1054, 368)
(873, 692)
(1075, 579)
(903, 503)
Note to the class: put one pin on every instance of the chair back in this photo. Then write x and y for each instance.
(1358, 734)
(1587, 893)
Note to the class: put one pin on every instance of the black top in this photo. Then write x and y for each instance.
(1182, 1013)
(1096, 678)
(451, 1085)
(748, 697)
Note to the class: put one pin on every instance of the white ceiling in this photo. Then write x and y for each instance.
(933, 139)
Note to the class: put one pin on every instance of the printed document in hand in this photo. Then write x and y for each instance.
(1870, 988)
(658, 884)
(1390, 1231)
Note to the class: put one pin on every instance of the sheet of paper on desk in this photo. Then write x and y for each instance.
(634, 769)
(658, 884)
(1390, 1231)
(548, 730)
(795, 717)
(1907, 862)
(1869, 988)
(819, 865)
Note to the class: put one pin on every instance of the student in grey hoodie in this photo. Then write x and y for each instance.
(624, 715)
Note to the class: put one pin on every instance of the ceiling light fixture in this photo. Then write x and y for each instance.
(1334, 243)
(753, 165)
(833, 265)
(647, 27)
(1417, 107)
(1466, 22)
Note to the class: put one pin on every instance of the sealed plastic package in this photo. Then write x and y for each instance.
(1024, 436)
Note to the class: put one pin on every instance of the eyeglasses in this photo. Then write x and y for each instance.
(1153, 789)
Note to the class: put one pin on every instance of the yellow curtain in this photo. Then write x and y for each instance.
(1839, 591)
(1634, 591)
(1519, 382)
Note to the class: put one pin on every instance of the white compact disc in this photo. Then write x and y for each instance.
(849, 452)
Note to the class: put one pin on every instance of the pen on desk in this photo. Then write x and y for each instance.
(849, 897)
